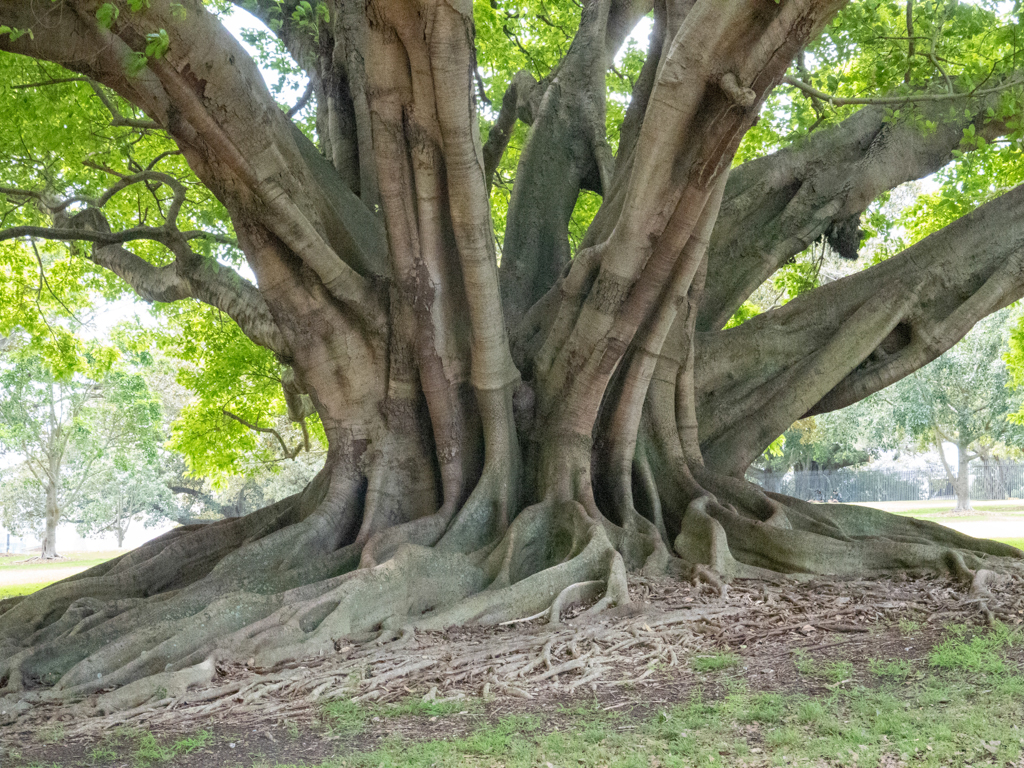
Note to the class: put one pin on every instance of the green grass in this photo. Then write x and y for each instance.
(898, 669)
(143, 749)
(22, 589)
(943, 507)
(950, 715)
(344, 717)
(715, 662)
(955, 708)
(980, 654)
(42, 571)
(834, 671)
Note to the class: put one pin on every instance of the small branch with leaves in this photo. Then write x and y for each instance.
(289, 453)
(906, 98)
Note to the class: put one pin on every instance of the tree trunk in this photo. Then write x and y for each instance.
(499, 444)
(52, 514)
(963, 479)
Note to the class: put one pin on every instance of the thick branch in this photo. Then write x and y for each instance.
(498, 136)
(566, 145)
(192, 277)
(955, 277)
(263, 174)
(776, 206)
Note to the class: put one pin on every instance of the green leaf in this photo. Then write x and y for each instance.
(14, 33)
(136, 63)
(178, 12)
(107, 14)
(157, 44)
(138, 5)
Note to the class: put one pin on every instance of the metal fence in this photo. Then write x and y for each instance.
(989, 481)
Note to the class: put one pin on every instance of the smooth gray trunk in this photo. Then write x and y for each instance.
(962, 484)
(52, 518)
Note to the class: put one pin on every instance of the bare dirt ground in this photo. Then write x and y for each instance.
(635, 658)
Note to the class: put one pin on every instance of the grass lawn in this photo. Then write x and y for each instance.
(18, 577)
(943, 508)
(83, 560)
(14, 590)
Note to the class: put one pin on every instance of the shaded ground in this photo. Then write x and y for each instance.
(865, 672)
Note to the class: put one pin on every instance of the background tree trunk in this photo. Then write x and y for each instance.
(52, 511)
(963, 478)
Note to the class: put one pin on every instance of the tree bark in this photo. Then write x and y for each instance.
(963, 478)
(52, 515)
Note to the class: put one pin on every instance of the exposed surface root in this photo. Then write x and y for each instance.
(136, 631)
(819, 539)
(665, 624)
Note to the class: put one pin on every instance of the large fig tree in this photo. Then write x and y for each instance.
(508, 431)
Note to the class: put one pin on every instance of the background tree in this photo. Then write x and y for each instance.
(126, 480)
(41, 422)
(962, 398)
(70, 435)
(130, 488)
(817, 444)
(504, 439)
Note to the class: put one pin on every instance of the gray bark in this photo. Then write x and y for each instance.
(777, 206)
(759, 378)
(963, 477)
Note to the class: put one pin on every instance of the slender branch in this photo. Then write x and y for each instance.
(290, 453)
(51, 204)
(933, 44)
(161, 156)
(189, 276)
(159, 234)
(56, 81)
(120, 120)
(839, 101)
(303, 100)
(911, 43)
(44, 281)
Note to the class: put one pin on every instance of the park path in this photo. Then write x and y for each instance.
(989, 527)
(28, 575)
